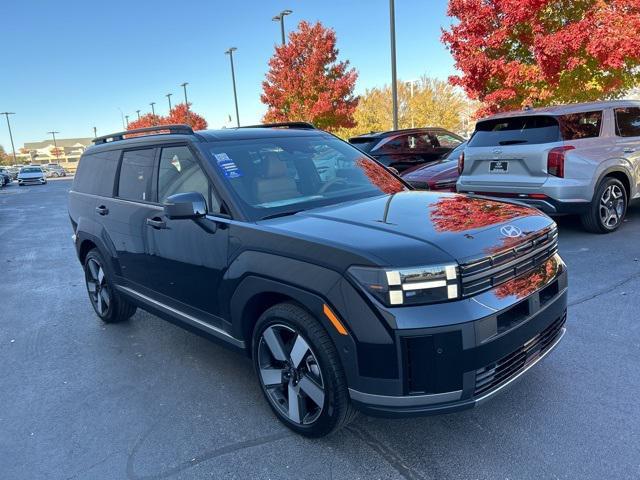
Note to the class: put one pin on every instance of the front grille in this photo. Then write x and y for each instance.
(488, 272)
(491, 376)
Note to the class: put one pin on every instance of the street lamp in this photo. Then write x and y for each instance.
(394, 85)
(138, 112)
(95, 132)
(280, 18)
(55, 145)
(233, 79)
(153, 110)
(186, 102)
(127, 119)
(168, 95)
(13, 149)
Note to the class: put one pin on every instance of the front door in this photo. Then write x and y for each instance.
(186, 258)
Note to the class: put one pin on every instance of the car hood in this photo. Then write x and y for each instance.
(417, 228)
(433, 172)
(30, 175)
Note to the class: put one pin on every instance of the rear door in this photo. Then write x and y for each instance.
(124, 215)
(510, 151)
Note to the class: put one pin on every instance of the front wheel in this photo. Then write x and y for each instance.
(300, 372)
(608, 207)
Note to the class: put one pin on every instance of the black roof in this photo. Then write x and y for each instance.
(389, 133)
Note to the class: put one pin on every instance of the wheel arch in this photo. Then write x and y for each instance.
(618, 172)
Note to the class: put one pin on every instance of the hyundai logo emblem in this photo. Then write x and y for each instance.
(511, 231)
(497, 151)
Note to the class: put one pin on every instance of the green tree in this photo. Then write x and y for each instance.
(427, 102)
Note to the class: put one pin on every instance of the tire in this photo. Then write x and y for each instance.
(107, 302)
(294, 355)
(608, 207)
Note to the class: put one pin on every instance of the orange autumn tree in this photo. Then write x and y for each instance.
(514, 53)
(306, 82)
(178, 114)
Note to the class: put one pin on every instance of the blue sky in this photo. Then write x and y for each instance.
(70, 65)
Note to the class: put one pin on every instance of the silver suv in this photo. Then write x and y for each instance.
(581, 159)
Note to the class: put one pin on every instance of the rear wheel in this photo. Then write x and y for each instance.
(299, 372)
(608, 207)
(107, 302)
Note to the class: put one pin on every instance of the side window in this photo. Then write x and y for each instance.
(180, 172)
(627, 122)
(576, 126)
(447, 141)
(96, 173)
(136, 172)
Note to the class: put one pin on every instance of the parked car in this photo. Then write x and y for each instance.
(13, 171)
(5, 177)
(349, 291)
(581, 159)
(55, 170)
(441, 175)
(31, 176)
(403, 149)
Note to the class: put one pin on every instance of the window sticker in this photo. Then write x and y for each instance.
(228, 166)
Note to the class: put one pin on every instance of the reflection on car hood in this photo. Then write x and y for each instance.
(413, 228)
(432, 172)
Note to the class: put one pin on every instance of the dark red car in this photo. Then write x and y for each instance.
(404, 149)
(442, 175)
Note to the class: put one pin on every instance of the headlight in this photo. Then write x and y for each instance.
(409, 286)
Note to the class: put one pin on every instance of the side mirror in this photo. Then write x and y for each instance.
(185, 205)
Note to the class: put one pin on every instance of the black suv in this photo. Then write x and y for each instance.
(348, 290)
(404, 149)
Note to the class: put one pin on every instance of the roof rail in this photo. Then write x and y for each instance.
(300, 125)
(176, 128)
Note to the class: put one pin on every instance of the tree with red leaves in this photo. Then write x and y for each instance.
(178, 114)
(305, 81)
(514, 53)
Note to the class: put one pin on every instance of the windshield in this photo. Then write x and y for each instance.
(283, 175)
(31, 170)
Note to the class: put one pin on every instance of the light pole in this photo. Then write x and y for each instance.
(13, 149)
(138, 112)
(168, 95)
(153, 110)
(233, 79)
(186, 102)
(394, 85)
(95, 132)
(126, 117)
(55, 145)
(280, 18)
(411, 83)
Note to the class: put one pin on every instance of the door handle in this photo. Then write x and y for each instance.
(102, 210)
(629, 150)
(157, 223)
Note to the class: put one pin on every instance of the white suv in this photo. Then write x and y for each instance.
(582, 159)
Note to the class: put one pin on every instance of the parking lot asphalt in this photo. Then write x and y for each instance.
(147, 400)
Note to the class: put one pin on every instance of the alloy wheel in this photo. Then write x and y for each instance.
(97, 286)
(612, 206)
(290, 374)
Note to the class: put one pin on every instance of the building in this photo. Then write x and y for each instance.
(67, 154)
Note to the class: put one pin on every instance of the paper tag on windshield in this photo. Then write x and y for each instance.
(228, 166)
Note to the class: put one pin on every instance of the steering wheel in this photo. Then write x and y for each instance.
(334, 181)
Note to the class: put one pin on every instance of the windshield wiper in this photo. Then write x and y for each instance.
(513, 142)
(282, 214)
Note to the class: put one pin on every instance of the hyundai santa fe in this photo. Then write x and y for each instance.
(348, 290)
(573, 159)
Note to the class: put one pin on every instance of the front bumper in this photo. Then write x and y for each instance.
(32, 181)
(545, 204)
(450, 368)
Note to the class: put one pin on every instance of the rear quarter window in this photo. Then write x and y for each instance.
(577, 126)
(136, 174)
(96, 173)
(529, 130)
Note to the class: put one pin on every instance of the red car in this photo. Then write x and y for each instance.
(436, 176)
